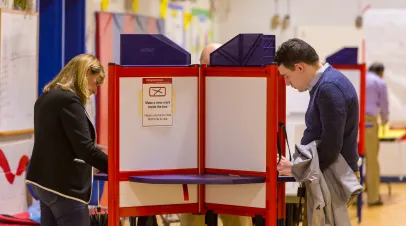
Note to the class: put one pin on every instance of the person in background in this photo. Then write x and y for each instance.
(64, 144)
(332, 116)
(376, 104)
(198, 220)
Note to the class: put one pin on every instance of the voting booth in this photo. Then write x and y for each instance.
(240, 132)
(243, 109)
(357, 75)
(153, 131)
(196, 139)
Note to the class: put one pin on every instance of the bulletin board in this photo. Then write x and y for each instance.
(109, 26)
(18, 71)
(174, 24)
(199, 34)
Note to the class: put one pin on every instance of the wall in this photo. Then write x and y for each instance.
(145, 7)
(13, 194)
(13, 198)
(245, 17)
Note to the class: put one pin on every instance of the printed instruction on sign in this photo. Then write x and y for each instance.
(157, 102)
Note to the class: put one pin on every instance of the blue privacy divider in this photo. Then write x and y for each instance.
(245, 50)
(151, 49)
(346, 56)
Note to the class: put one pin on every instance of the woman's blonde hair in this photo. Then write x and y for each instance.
(73, 76)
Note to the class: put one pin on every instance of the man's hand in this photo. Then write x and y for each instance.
(284, 167)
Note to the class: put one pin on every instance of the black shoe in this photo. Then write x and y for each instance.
(377, 203)
(356, 203)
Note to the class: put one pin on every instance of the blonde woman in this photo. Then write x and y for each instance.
(64, 144)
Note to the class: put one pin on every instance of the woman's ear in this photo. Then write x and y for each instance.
(94, 70)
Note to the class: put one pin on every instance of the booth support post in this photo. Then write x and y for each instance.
(361, 146)
(113, 157)
(202, 142)
(361, 140)
(281, 136)
(271, 144)
(362, 110)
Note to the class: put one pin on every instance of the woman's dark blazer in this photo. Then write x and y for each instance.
(64, 146)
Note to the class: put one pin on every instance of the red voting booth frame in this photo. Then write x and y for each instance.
(275, 192)
(362, 103)
(276, 93)
(361, 141)
(114, 174)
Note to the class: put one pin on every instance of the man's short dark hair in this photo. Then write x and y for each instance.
(295, 51)
(377, 68)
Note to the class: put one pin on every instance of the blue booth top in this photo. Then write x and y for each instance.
(151, 50)
(245, 50)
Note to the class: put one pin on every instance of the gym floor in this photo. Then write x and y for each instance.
(391, 213)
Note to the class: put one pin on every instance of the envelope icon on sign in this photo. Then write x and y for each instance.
(157, 91)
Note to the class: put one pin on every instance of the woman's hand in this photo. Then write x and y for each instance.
(101, 147)
(95, 171)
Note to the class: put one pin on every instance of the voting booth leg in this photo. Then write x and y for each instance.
(292, 216)
(359, 199)
(133, 221)
(259, 220)
(146, 221)
(211, 218)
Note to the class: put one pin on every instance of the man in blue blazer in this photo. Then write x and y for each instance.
(333, 112)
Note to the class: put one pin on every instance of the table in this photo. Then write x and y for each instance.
(386, 134)
(185, 179)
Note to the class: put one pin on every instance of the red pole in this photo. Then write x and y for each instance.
(271, 136)
(281, 136)
(113, 144)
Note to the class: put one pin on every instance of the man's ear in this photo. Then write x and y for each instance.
(299, 67)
